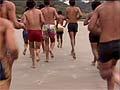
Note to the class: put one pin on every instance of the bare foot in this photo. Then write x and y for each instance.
(33, 67)
(46, 61)
(51, 53)
(74, 56)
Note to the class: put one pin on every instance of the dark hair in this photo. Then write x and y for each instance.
(72, 2)
(30, 4)
(95, 4)
(41, 6)
(26, 9)
(47, 2)
(59, 12)
(1, 1)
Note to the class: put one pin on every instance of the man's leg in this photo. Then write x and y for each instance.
(71, 35)
(52, 45)
(61, 39)
(94, 47)
(47, 48)
(5, 86)
(72, 39)
(106, 72)
(37, 51)
(58, 40)
(31, 44)
(116, 74)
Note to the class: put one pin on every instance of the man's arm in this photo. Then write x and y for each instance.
(12, 15)
(93, 21)
(56, 15)
(10, 40)
(42, 19)
(80, 13)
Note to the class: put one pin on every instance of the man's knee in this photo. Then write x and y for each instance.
(106, 70)
(106, 74)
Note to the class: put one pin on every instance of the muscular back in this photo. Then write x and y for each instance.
(49, 14)
(5, 8)
(109, 16)
(33, 19)
(73, 14)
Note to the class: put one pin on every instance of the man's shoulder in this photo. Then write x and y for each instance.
(100, 7)
(52, 8)
(38, 10)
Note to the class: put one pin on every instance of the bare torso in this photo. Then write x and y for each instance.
(109, 17)
(49, 14)
(33, 19)
(73, 14)
(8, 11)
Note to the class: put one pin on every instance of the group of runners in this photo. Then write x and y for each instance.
(40, 29)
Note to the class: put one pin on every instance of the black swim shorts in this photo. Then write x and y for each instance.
(109, 50)
(94, 38)
(72, 27)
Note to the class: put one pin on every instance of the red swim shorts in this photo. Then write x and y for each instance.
(35, 35)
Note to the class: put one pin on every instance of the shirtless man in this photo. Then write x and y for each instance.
(93, 38)
(49, 14)
(73, 14)
(33, 20)
(7, 42)
(108, 15)
(8, 11)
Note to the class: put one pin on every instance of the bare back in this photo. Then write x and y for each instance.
(49, 14)
(108, 15)
(110, 21)
(8, 11)
(33, 19)
(73, 14)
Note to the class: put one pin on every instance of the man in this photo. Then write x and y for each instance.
(33, 20)
(7, 42)
(93, 38)
(73, 14)
(8, 11)
(108, 15)
(49, 14)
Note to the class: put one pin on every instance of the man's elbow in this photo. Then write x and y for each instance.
(90, 27)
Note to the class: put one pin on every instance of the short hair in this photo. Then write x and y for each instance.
(72, 2)
(47, 2)
(95, 4)
(41, 6)
(30, 4)
(59, 12)
(1, 1)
